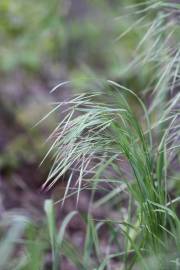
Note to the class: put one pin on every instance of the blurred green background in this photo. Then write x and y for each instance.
(43, 43)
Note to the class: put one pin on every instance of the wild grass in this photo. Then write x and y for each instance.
(101, 129)
(105, 142)
(105, 130)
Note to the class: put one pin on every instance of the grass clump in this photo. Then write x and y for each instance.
(103, 139)
(98, 132)
(125, 152)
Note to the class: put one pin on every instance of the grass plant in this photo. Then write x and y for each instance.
(113, 143)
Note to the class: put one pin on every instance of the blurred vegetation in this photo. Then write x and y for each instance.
(29, 30)
(82, 36)
(43, 42)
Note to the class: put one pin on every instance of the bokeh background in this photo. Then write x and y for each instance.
(42, 44)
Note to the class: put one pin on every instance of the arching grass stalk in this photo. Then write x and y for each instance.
(100, 130)
(105, 125)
